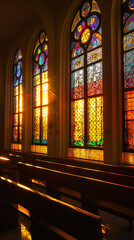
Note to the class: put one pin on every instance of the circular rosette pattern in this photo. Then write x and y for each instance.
(87, 22)
(40, 55)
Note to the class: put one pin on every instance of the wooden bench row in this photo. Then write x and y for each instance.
(29, 157)
(94, 193)
(50, 216)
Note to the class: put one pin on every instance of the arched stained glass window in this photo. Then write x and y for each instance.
(40, 89)
(86, 77)
(17, 99)
(128, 72)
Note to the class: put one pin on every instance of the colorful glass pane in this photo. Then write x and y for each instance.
(94, 56)
(95, 122)
(42, 37)
(15, 120)
(17, 98)
(45, 48)
(85, 36)
(45, 77)
(45, 66)
(36, 69)
(79, 30)
(131, 4)
(18, 69)
(126, 15)
(20, 81)
(20, 103)
(77, 50)
(129, 24)
(20, 89)
(15, 107)
(95, 7)
(16, 91)
(40, 89)
(36, 80)
(94, 79)
(129, 69)
(129, 119)
(36, 45)
(93, 22)
(77, 84)
(77, 63)
(16, 82)
(41, 59)
(85, 9)
(44, 125)
(128, 41)
(36, 96)
(20, 134)
(18, 56)
(20, 119)
(36, 125)
(15, 134)
(38, 52)
(77, 123)
(75, 21)
(95, 42)
(45, 94)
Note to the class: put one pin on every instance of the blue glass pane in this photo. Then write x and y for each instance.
(41, 59)
(21, 79)
(45, 67)
(93, 22)
(16, 81)
(18, 69)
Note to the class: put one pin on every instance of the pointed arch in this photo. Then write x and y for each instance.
(86, 87)
(17, 96)
(40, 90)
(128, 79)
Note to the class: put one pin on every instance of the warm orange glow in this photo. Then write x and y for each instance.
(4, 159)
(128, 158)
(16, 146)
(24, 210)
(25, 234)
(39, 149)
(90, 154)
(42, 183)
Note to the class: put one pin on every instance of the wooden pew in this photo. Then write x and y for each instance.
(30, 158)
(111, 197)
(59, 219)
(120, 178)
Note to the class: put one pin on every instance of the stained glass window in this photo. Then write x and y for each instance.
(86, 77)
(17, 99)
(128, 71)
(40, 89)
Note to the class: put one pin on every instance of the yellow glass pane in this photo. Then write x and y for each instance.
(16, 104)
(36, 80)
(95, 122)
(45, 77)
(20, 104)
(20, 119)
(45, 94)
(36, 96)
(20, 88)
(77, 123)
(44, 123)
(16, 91)
(36, 125)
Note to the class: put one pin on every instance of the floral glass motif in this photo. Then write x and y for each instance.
(87, 77)
(40, 89)
(128, 69)
(17, 99)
